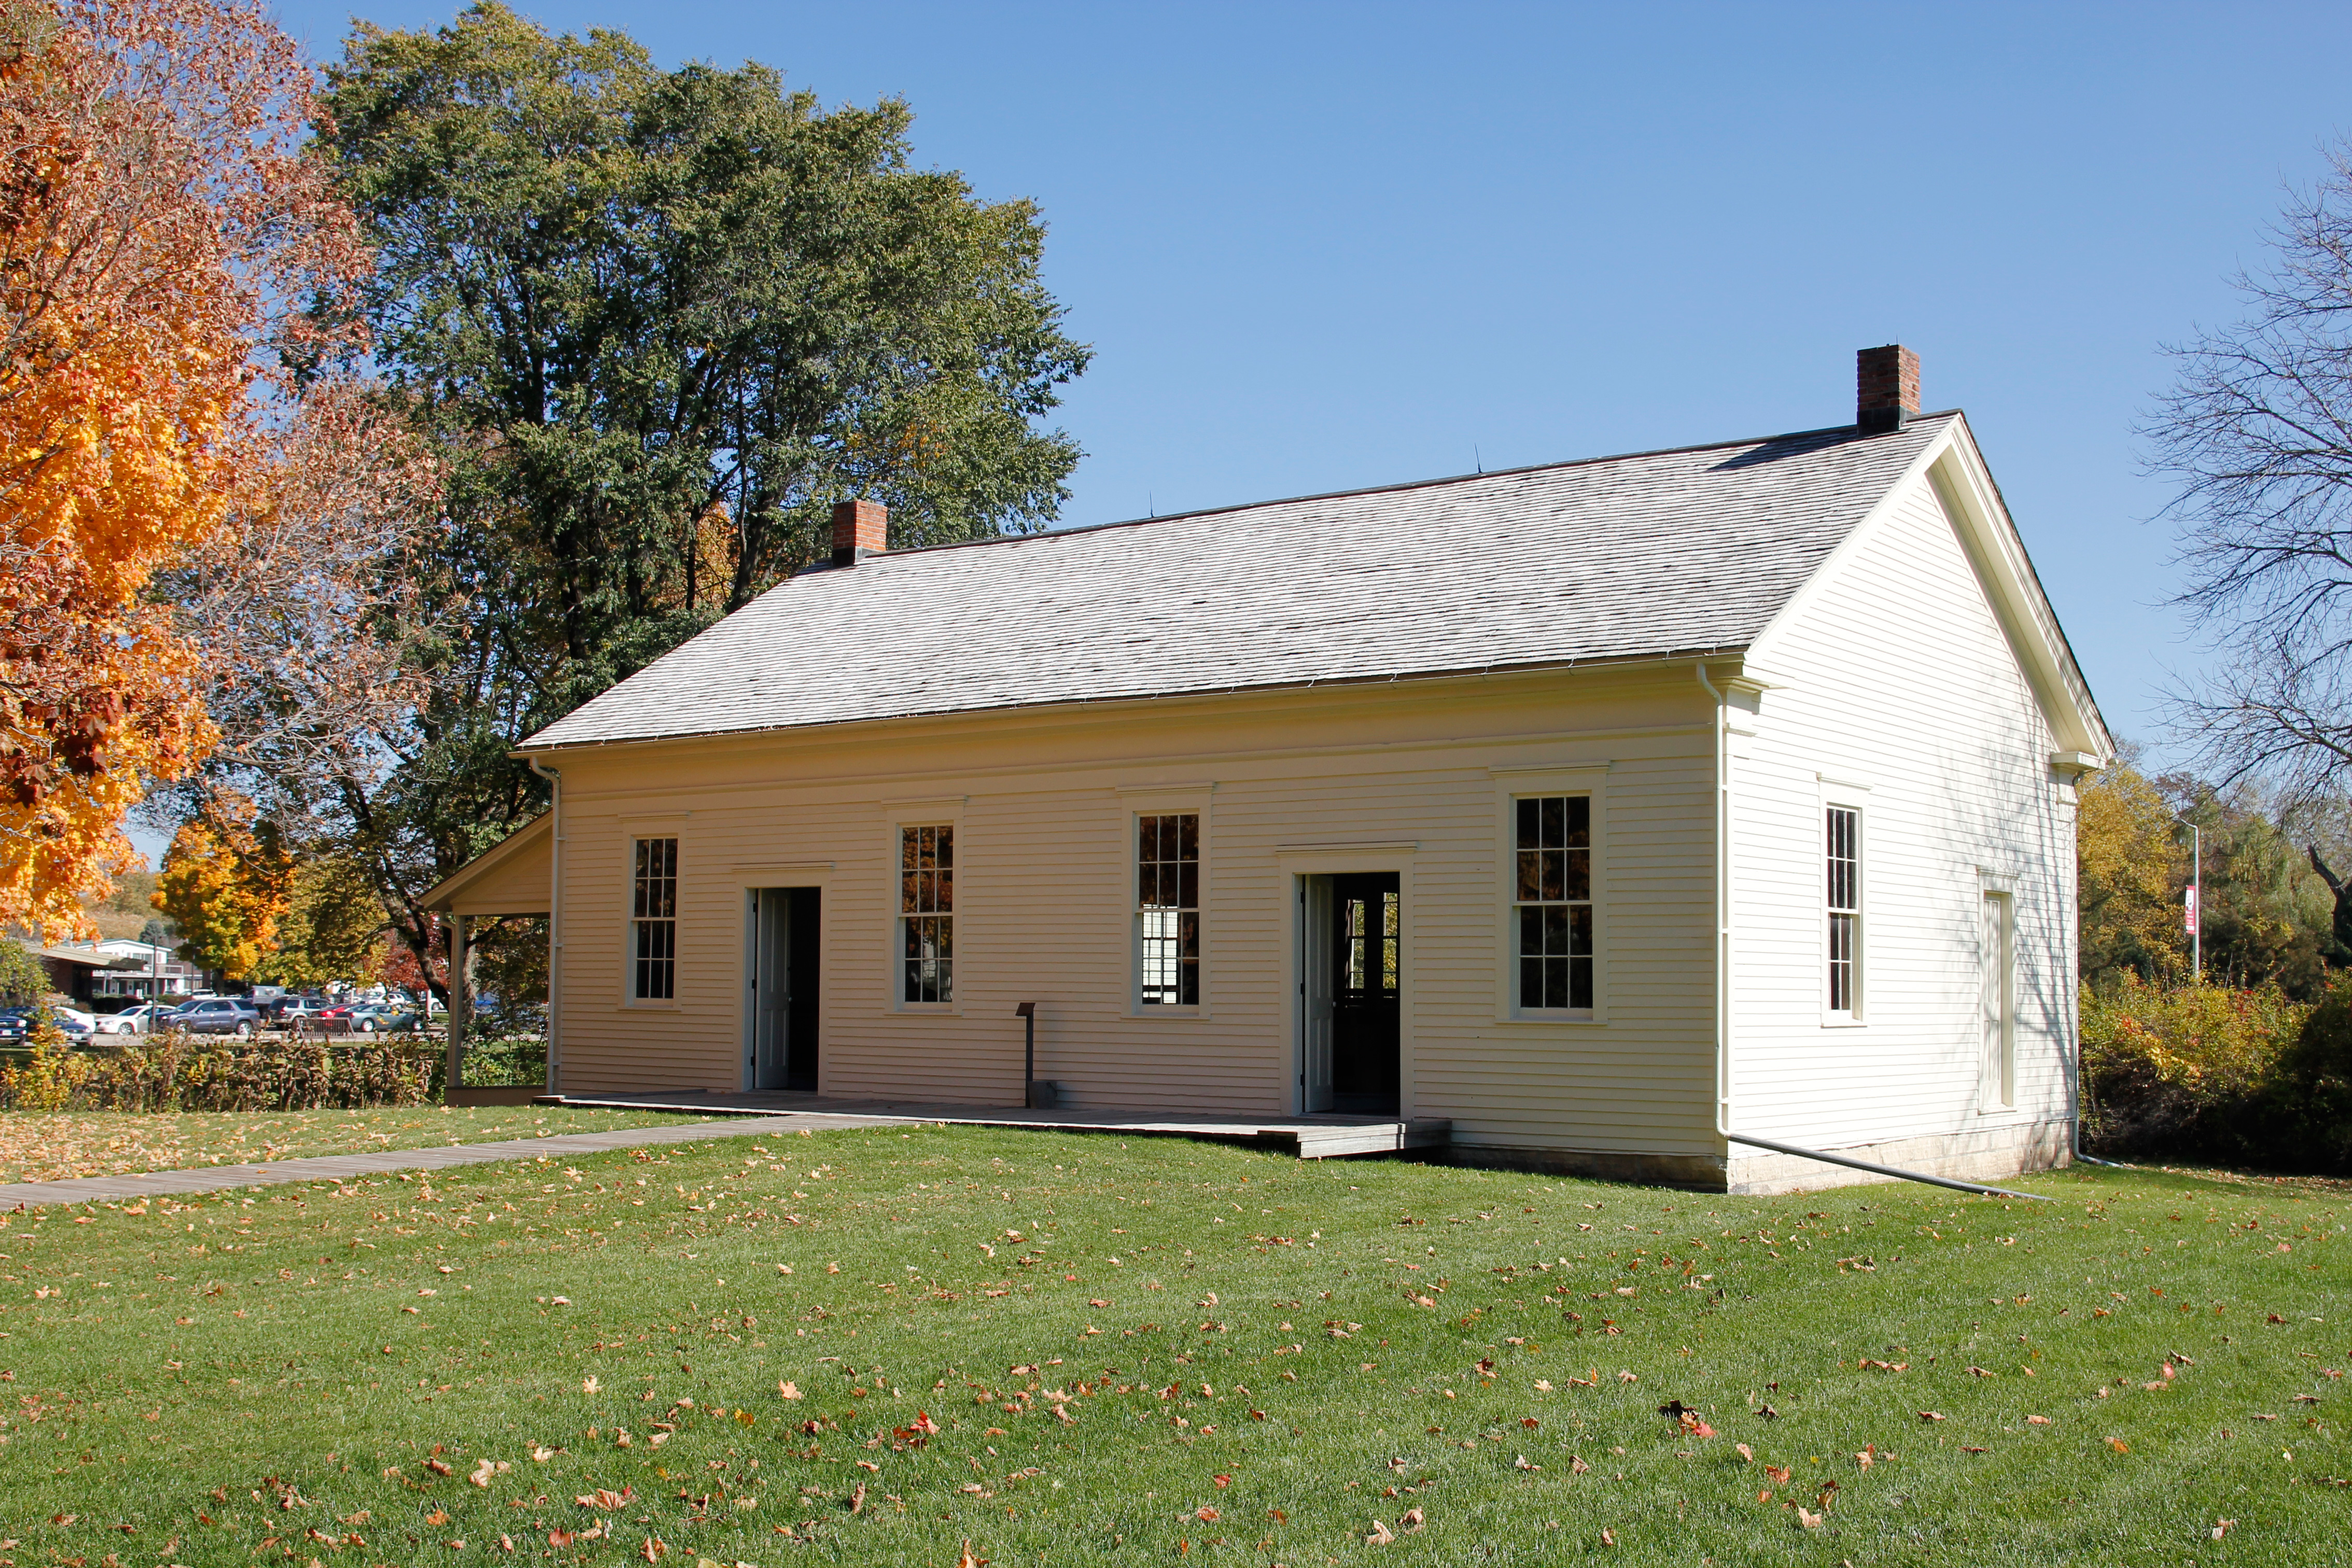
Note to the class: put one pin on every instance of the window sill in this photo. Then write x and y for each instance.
(648, 1006)
(1581, 1015)
(1843, 1021)
(1137, 1011)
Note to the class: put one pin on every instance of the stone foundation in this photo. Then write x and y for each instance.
(1991, 1155)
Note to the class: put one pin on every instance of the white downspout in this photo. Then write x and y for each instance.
(554, 928)
(1722, 912)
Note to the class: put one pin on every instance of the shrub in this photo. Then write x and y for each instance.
(517, 1062)
(2311, 1097)
(2186, 1070)
(179, 1072)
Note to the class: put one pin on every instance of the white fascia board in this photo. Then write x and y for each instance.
(1953, 467)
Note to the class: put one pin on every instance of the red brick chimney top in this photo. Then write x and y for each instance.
(860, 528)
(1886, 388)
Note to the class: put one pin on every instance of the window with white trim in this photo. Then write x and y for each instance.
(1168, 908)
(927, 913)
(1842, 855)
(1551, 901)
(654, 922)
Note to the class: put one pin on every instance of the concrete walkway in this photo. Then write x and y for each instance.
(377, 1163)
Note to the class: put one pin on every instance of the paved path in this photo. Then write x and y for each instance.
(220, 1178)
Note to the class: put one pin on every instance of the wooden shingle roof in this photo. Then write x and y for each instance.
(1648, 555)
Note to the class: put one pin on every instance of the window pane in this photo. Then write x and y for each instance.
(1576, 879)
(947, 845)
(1552, 892)
(1168, 899)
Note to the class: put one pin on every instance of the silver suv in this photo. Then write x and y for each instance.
(219, 1015)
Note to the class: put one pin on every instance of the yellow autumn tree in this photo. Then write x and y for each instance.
(226, 882)
(2128, 861)
(156, 219)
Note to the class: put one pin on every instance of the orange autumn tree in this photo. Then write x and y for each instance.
(226, 882)
(162, 244)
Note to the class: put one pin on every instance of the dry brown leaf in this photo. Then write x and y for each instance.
(1808, 1517)
(1777, 1474)
(789, 1389)
(967, 1559)
(1380, 1536)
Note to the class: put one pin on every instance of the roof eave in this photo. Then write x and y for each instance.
(527, 750)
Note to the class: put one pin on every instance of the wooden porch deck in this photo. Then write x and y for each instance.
(1319, 1137)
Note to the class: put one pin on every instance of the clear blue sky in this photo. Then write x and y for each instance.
(1326, 245)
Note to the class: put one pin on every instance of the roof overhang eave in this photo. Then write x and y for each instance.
(527, 751)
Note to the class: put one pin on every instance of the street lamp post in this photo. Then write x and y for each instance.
(2196, 902)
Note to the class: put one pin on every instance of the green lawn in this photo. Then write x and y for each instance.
(1256, 1359)
(47, 1148)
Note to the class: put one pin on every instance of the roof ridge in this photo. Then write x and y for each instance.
(1393, 488)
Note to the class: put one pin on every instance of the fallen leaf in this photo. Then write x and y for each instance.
(2038, 1420)
(437, 1466)
(589, 1385)
(1608, 1538)
(1777, 1474)
(1808, 1517)
(1205, 1514)
(789, 1389)
(856, 1499)
(1576, 1467)
(967, 1560)
(1931, 1415)
(541, 1454)
(1745, 1452)
(2222, 1527)
(2120, 1445)
(1379, 1535)
(485, 1470)
(1223, 1481)
(1411, 1521)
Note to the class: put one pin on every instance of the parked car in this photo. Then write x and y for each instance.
(16, 1025)
(219, 1015)
(303, 1015)
(145, 1019)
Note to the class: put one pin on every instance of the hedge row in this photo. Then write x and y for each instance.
(2201, 1072)
(181, 1072)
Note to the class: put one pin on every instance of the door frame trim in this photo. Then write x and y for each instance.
(1294, 862)
(751, 881)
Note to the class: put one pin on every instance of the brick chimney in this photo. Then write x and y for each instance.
(860, 528)
(1885, 388)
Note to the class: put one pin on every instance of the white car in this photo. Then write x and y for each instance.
(139, 1020)
(90, 1021)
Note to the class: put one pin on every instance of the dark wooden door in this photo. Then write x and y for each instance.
(785, 991)
(1367, 958)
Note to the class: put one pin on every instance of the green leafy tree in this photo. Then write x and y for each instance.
(331, 922)
(656, 323)
(2130, 908)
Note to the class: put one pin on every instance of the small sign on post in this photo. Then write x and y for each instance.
(2189, 902)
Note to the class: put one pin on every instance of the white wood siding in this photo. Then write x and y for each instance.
(1044, 858)
(1898, 676)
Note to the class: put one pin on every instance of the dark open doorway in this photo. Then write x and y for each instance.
(1366, 961)
(785, 989)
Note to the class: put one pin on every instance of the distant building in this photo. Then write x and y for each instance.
(119, 970)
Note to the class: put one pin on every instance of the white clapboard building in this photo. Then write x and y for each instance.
(1608, 811)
